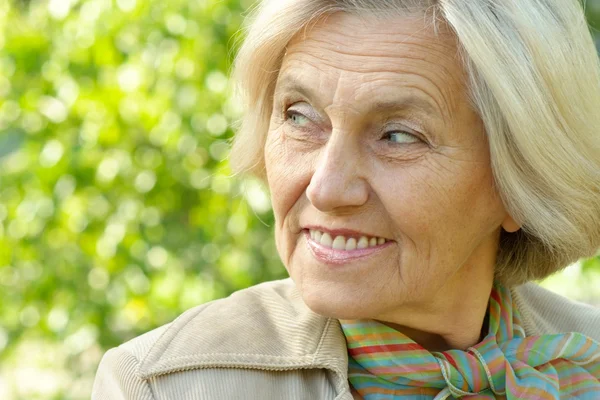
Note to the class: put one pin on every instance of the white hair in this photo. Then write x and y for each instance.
(534, 79)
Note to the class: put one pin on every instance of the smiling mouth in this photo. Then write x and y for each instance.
(343, 250)
(341, 242)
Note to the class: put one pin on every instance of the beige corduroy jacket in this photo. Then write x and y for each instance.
(264, 343)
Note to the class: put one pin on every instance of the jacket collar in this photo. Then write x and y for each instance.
(267, 327)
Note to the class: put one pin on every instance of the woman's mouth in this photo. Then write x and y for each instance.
(341, 242)
(342, 249)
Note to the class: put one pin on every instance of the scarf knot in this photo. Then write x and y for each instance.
(475, 371)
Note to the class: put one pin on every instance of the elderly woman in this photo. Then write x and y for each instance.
(425, 160)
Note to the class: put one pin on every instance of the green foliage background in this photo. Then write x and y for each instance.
(117, 210)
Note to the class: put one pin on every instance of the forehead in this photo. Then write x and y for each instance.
(353, 58)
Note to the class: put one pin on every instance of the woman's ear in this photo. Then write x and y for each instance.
(510, 225)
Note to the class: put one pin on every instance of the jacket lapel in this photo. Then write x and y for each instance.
(266, 327)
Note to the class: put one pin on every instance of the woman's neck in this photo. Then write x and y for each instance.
(438, 342)
(453, 319)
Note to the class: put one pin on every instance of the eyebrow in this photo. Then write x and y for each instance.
(403, 102)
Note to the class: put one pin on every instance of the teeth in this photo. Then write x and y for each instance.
(339, 243)
(326, 240)
(350, 244)
(363, 242)
(342, 243)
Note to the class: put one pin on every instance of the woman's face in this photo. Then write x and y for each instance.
(379, 169)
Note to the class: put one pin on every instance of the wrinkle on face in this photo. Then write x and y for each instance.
(421, 51)
(307, 65)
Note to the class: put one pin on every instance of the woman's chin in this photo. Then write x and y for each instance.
(326, 301)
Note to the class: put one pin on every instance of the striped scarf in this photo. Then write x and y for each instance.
(385, 364)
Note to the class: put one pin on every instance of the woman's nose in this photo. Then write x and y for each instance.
(338, 180)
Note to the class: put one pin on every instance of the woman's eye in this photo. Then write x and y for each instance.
(297, 118)
(401, 137)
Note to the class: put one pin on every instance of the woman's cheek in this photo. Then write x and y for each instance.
(281, 167)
